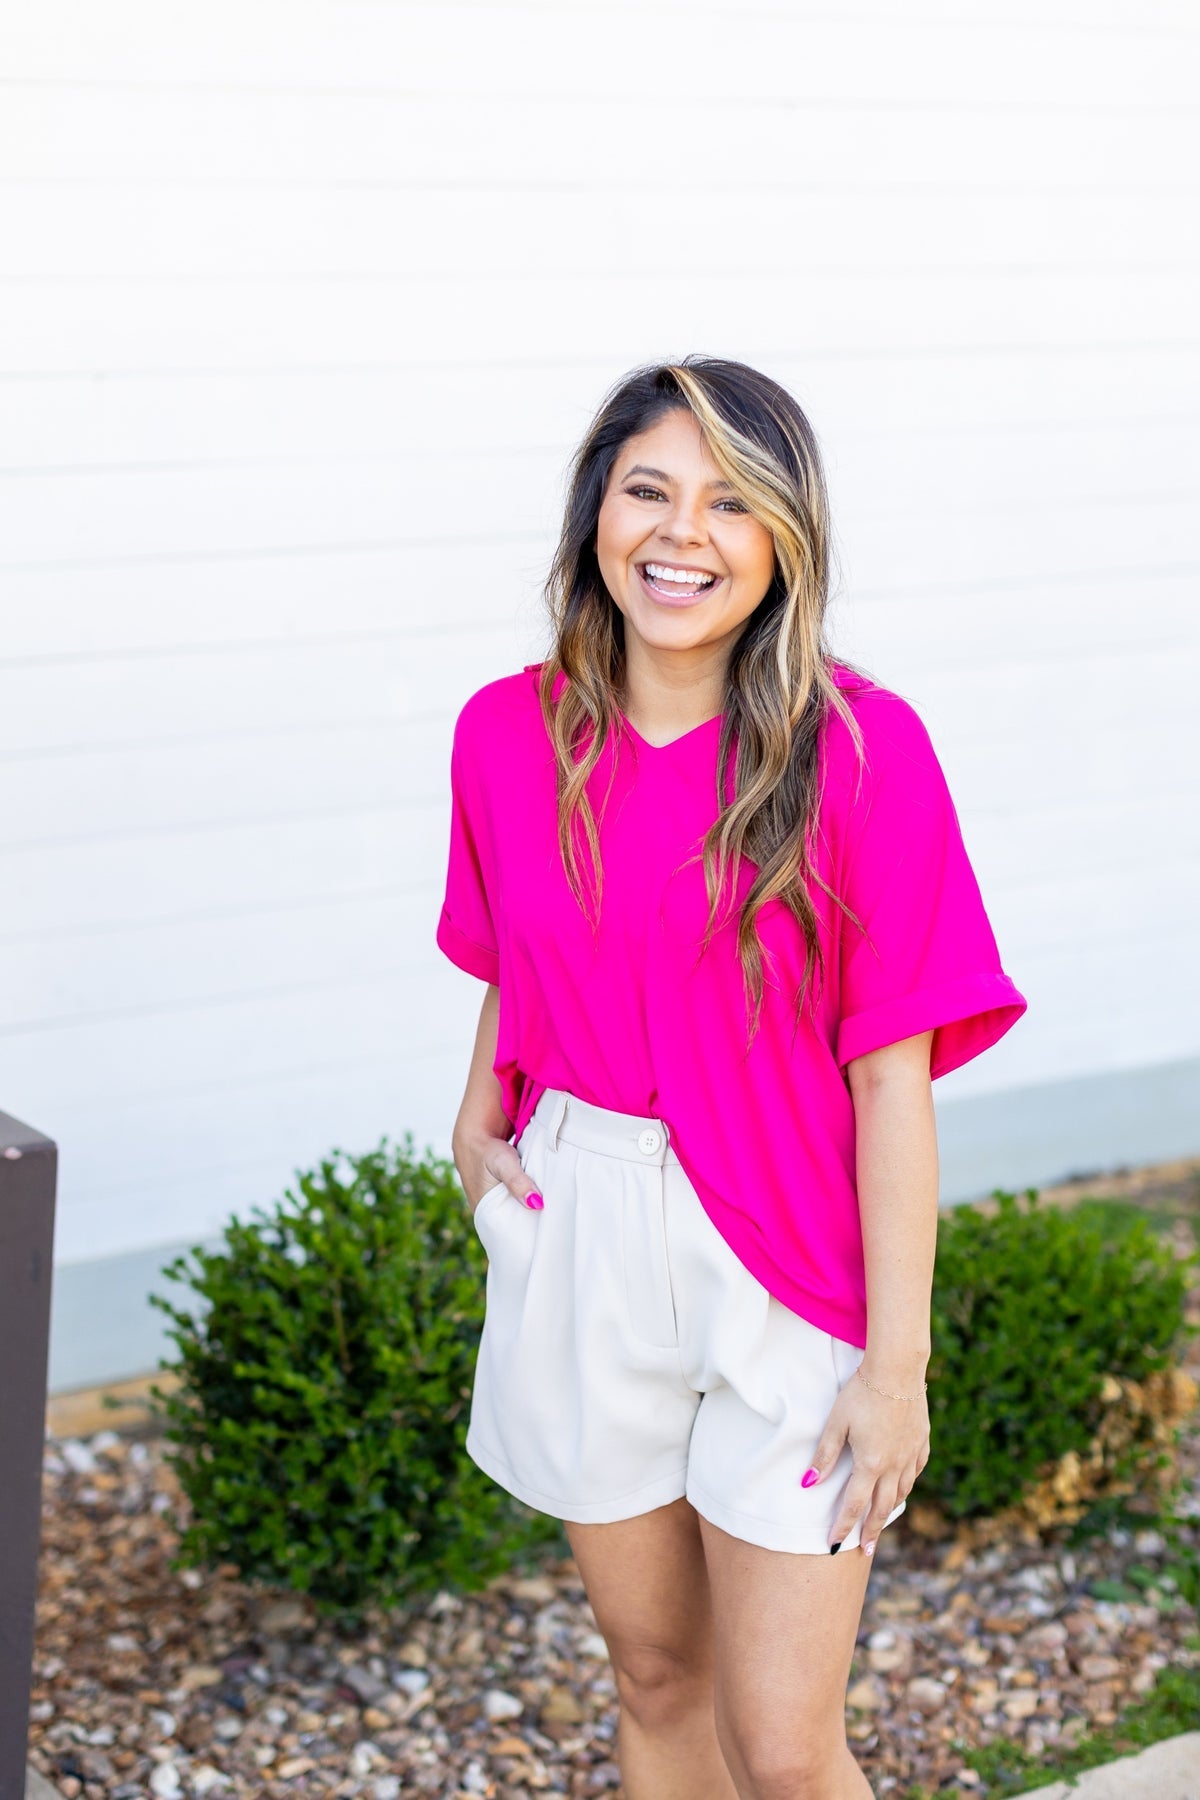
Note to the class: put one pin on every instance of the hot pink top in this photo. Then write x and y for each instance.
(640, 1021)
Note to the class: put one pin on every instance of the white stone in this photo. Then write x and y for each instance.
(165, 1783)
(411, 1681)
(499, 1705)
(928, 1695)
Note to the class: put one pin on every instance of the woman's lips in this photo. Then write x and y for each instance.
(666, 597)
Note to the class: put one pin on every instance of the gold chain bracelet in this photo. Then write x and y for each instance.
(884, 1392)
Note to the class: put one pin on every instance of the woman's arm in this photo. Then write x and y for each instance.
(897, 1169)
(897, 1174)
(479, 1142)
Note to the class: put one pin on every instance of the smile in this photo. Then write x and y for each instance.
(670, 583)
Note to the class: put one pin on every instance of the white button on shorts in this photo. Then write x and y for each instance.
(628, 1356)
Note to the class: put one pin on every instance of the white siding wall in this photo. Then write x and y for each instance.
(304, 306)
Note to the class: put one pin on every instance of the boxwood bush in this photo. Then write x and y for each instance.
(1056, 1335)
(325, 1360)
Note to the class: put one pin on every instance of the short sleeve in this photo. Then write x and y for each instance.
(465, 930)
(928, 959)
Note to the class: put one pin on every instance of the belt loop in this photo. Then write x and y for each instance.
(560, 1113)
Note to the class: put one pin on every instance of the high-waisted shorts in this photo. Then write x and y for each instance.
(628, 1356)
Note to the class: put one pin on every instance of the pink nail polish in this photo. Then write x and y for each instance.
(811, 1476)
(535, 1202)
(868, 1548)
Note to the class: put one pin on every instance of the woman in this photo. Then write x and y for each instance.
(716, 885)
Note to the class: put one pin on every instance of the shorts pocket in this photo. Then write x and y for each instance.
(846, 1358)
(486, 1200)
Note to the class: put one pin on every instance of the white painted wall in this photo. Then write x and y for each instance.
(305, 305)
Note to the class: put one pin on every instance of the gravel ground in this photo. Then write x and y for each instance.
(150, 1682)
(154, 1683)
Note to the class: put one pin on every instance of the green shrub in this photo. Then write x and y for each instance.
(325, 1377)
(1045, 1322)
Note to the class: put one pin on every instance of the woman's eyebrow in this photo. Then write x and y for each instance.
(660, 475)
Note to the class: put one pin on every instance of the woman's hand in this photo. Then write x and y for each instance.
(494, 1159)
(889, 1440)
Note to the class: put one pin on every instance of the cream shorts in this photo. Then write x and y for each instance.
(629, 1358)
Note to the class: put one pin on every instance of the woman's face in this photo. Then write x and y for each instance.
(683, 559)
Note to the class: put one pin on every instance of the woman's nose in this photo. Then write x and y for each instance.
(684, 525)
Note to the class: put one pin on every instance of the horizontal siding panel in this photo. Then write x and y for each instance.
(250, 232)
(485, 594)
(220, 1043)
(226, 782)
(161, 139)
(95, 325)
(88, 890)
(177, 965)
(411, 48)
(162, 1165)
(100, 420)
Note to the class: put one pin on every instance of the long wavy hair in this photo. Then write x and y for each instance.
(779, 684)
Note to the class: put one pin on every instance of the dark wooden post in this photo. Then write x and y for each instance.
(28, 1167)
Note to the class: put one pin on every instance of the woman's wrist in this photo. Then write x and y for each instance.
(899, 1369)
(470, 1135)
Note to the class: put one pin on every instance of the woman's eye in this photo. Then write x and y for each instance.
(736, 505)
(640, 493)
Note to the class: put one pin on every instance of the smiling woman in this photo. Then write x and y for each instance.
(714, 879)
(684, 559)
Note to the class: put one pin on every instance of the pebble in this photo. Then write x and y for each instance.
(280, 1616)
(366, 1685)
(411, 1681)
(499, 1705)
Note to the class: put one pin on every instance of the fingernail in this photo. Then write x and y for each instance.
(535, 1202)
(834, 1548)
(867, 1548)
(811, 1476)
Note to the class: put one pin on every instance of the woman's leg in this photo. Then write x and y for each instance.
(647, 1582)
(784, 1629)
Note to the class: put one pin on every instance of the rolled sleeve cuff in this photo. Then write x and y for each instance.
(465, 953)
(967, 1016)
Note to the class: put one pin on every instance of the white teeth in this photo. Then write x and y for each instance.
(692, 577)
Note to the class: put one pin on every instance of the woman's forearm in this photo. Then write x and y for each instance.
(481, 1114)
(897, 1163)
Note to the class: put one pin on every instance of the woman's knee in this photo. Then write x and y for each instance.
(657, 1685)
(781, 1766)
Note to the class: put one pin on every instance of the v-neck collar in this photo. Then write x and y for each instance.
(672, 743)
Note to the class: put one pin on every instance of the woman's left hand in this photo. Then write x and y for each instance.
(889, 1440)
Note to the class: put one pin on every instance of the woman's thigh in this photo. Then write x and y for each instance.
(784, 1630)
(647, 1581)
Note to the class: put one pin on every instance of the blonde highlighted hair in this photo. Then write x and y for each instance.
(779, 685)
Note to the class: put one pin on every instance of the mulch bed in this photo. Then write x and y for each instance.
(154, 1683)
